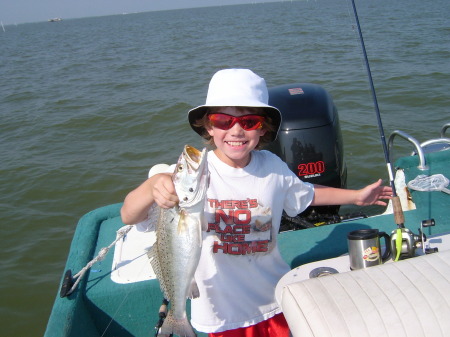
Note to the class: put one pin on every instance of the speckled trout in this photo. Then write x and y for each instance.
(175, 255)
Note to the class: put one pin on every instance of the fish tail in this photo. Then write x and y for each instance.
(193, 292)
(180, 327)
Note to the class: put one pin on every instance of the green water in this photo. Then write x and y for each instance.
(88, 105)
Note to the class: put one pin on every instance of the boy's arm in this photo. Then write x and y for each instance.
(372, 194)
(159, 188)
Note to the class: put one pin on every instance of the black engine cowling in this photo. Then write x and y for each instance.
(310, 139)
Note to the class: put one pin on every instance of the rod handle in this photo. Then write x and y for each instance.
(398, 211)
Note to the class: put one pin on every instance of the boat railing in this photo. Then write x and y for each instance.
(440, 144)
(412, 140)
(437, 144)
(444, 128)
(431, 145)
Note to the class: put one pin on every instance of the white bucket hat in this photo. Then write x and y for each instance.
(236, 87)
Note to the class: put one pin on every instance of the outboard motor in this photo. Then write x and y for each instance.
(310, 142)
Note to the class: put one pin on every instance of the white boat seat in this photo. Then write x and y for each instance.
(405, 298)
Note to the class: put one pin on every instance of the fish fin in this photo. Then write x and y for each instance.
(204, 226)
(151, 252)
(154, 262)
(180, 327)
(193, 292)
(182, 222)
(152, 217)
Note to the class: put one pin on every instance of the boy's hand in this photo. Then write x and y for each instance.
(373, 194)
(163, 191)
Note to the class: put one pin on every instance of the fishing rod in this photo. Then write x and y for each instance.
(398, 212)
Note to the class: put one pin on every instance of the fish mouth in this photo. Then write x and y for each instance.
(195, 159)
(193, 156)
(197, 167)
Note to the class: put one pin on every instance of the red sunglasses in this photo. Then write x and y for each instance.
(226, 122)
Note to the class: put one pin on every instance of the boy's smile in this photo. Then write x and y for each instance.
(234, 145)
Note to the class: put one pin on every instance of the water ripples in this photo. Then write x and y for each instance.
(89, 105)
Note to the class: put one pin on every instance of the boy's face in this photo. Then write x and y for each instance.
(233, 146)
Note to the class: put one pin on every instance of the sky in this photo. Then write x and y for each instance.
(22, 11)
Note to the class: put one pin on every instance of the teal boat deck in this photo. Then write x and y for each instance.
(300, 247)
(100, 307)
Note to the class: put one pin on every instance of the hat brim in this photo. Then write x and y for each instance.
(197, 113)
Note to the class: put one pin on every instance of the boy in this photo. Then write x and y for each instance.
(240, 264)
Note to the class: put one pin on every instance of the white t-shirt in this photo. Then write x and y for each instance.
(240, 263)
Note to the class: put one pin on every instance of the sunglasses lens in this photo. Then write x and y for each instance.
(226, 122)
(221, 121)
(251, 122)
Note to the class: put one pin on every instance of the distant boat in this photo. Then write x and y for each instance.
(54, 20)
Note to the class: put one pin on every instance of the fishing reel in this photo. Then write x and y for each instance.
(411, 241)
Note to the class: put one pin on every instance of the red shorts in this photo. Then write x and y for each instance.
(273, 327)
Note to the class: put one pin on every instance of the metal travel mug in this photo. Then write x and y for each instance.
(364, 248)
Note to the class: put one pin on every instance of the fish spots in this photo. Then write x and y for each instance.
(176, 252)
